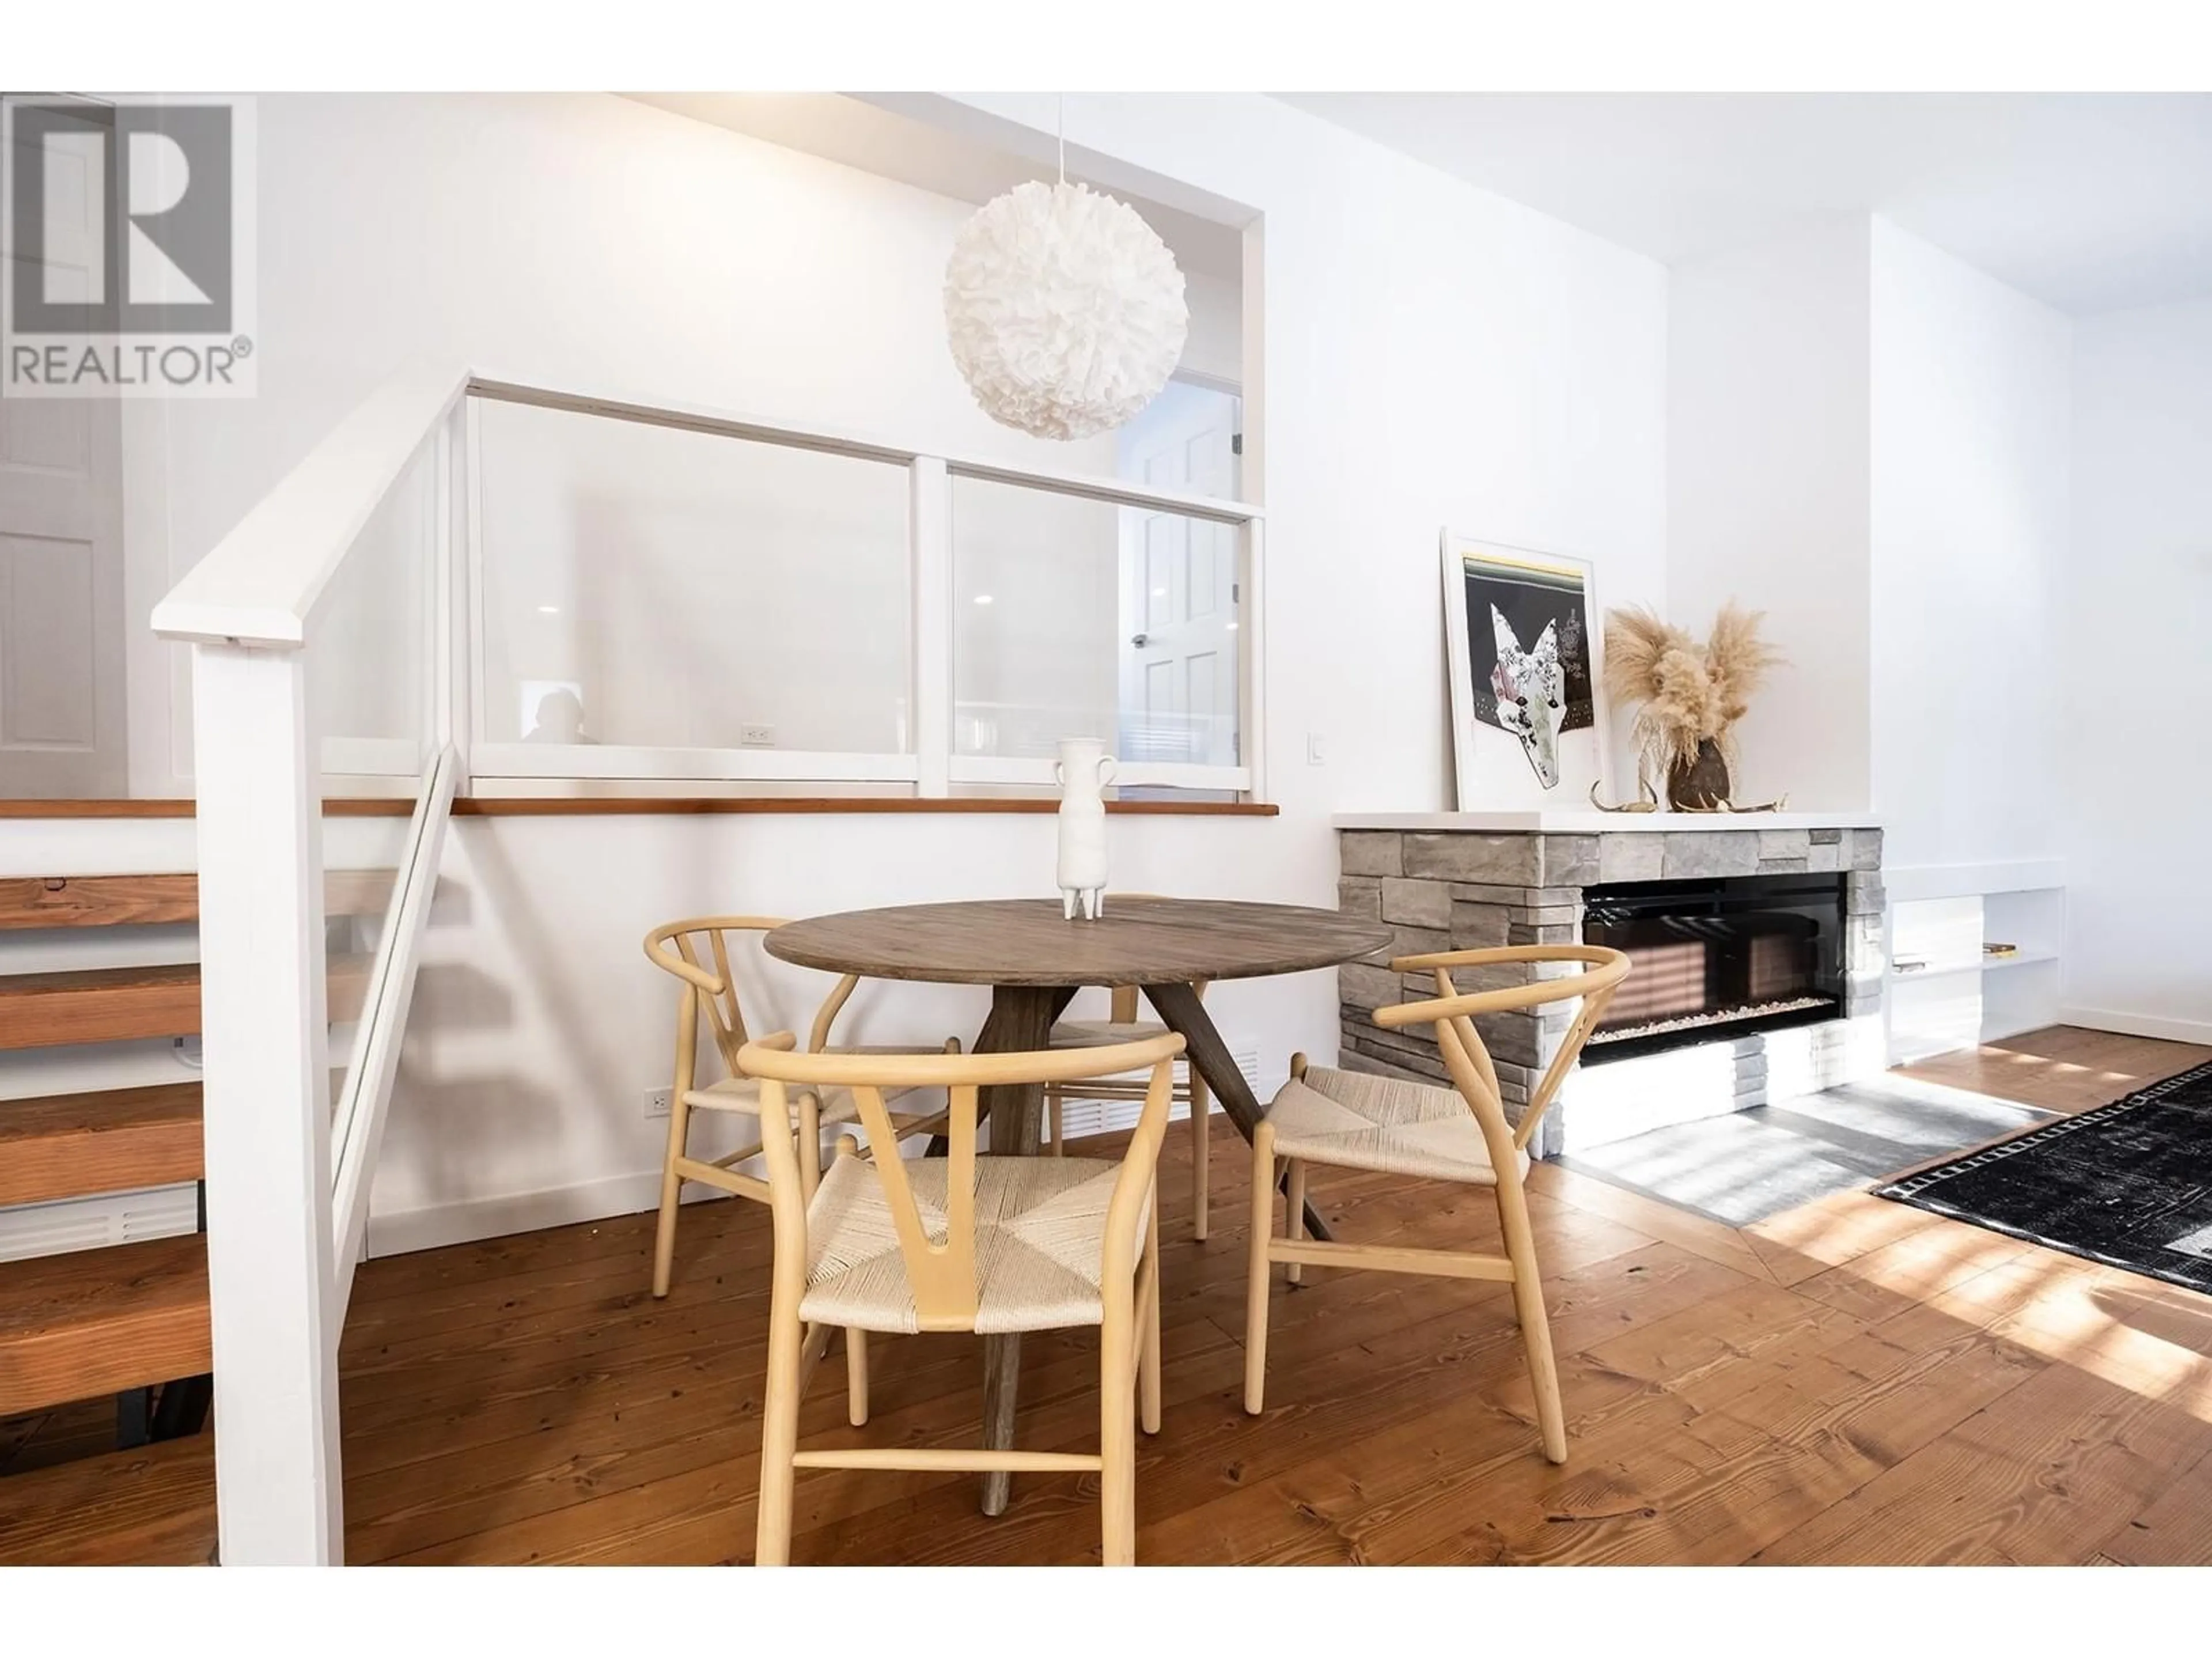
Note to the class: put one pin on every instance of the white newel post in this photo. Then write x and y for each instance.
(267, 1110)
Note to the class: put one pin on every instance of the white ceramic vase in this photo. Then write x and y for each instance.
(1083, 771)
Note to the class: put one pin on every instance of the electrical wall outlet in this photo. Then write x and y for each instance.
(757, 737)
(658, 1102)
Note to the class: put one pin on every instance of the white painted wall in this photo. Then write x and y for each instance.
(1849, 431)
(2133, 667)
(538, 1024)
(1433, 355)
(1849, 424)
(1768, 462)
(1214, 351)
(1968, 538)
(1868, 439)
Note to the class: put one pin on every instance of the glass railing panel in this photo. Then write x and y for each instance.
(1077, 618)
(369, 658)
(364, 858)
(660, 588)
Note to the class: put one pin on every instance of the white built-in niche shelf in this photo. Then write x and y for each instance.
(1550, 822)
(1985, 963)
(1944, 914)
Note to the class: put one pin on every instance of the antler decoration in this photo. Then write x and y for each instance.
(1774, 805)
(1646, 800)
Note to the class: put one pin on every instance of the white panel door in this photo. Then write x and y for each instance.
(62, 719)
(1179, 582)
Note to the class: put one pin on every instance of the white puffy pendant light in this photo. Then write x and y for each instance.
(1064, 309)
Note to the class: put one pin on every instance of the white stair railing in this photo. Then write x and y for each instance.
(357, 1122)
(280, 1237)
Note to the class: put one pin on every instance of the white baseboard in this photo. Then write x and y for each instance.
(474, 1219)
(2147, 1025)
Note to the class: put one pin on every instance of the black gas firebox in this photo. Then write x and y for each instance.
(1716, 957)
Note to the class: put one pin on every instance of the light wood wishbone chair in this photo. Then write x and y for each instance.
(1355, 1119)
(710, 993)
(963, 1243)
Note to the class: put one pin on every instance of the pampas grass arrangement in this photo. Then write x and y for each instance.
(1690, 696)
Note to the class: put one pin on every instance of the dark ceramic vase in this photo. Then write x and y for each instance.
(1699, 784)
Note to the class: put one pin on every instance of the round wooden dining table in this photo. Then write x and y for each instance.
(1036, 960)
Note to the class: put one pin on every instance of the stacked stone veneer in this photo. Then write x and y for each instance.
(1456, 891)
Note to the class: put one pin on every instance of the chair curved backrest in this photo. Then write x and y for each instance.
(942, 1270)
(696, 951)
(1453, 1013)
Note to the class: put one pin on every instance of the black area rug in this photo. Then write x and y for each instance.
(2128, 1184)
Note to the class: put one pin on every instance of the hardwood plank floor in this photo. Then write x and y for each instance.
(1852, 1381)
(2061, 1068)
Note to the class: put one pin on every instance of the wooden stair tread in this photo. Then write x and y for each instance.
(100, 979)
(91, 1322)
(97, 901)
(100, 1005)
(111, 1141)
(121, 1004)
(41, 901)
(152, 1506)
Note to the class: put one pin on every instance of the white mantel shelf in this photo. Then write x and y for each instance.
(1541, 823)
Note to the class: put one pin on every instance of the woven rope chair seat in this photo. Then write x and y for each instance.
(1099, 1033)
(1040, 1243)
(742, 1094)
(732, 1094)
(1359, 1121)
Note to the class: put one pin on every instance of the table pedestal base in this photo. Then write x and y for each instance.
(1021, 1020)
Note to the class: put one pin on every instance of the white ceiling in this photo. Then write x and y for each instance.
(861, 134)
(2089, 201)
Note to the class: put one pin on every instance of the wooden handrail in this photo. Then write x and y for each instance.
(586, 807)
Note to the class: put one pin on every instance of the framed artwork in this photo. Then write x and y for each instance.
(1524, 650)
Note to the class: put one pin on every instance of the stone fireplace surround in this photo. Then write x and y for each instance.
(1453, 881)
